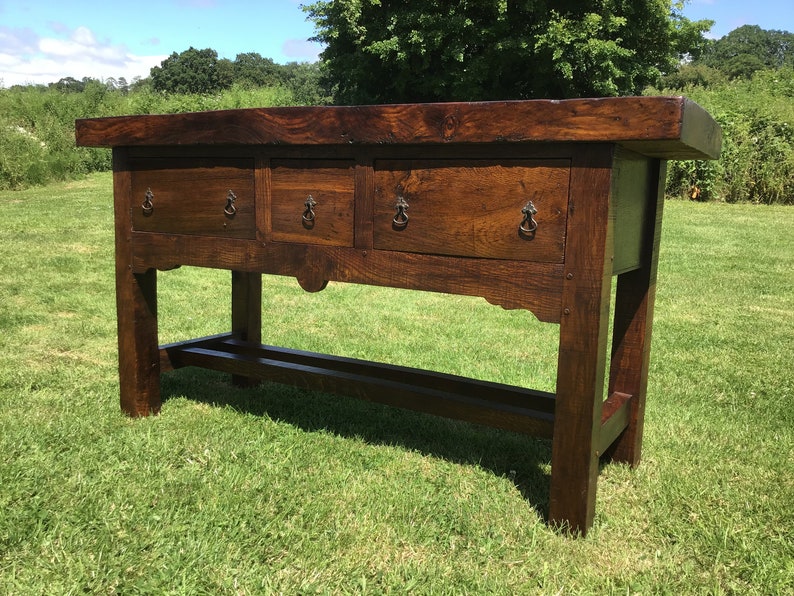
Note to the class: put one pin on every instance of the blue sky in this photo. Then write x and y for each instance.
(42, 41)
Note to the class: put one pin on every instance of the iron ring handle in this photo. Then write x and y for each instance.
(309, 215)
(148, 206)
(400, 220)
(528, 225)
(230, 209)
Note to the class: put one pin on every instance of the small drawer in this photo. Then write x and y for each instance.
(312, 201)
(473, 208)
(198, 196)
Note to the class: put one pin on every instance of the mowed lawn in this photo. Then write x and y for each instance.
(274, 490)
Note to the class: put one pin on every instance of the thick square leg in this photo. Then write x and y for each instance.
(583, 339)
(246, 313)
(139, 355)
(631, 341)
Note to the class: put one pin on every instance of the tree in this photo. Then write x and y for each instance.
(304, 80)
(385, 51)
(225, 73)
(192, 71)
(748, 49)
(252, 70)
(691, 75)
(69, 85)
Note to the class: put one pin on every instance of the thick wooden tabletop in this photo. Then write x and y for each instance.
(665, 127)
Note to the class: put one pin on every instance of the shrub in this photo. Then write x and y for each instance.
(37, 143)
(37, 133)
(21, 158)
(757, 162)
(757, 119)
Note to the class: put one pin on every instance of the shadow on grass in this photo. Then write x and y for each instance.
(525, 460)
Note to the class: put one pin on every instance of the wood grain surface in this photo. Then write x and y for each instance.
(666, 127)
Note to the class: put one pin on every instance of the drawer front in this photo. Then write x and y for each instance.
(312, 201)
(473, 208)
(199, 196)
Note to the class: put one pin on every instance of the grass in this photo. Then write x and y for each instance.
(270, 490)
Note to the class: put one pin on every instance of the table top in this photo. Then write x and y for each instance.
(664, 127)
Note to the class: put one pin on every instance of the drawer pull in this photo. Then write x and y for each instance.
(309, 215)
(230, 209)
(401, 219)
(147, 204)
(528, 225)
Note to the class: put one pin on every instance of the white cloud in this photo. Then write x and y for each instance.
(26, 58)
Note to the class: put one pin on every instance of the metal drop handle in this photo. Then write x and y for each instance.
(401, 218)
(148, 206)
(528, 225)
(230, 209)
(309, 215)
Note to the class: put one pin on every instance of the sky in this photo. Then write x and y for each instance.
(42, 41)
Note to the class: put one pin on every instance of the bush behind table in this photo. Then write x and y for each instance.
(756, 115)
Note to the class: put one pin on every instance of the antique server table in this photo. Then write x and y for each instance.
(529, 204)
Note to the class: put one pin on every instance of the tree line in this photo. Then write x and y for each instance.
(358, 74)
(201, 71)
(194, 71)
(738, 55)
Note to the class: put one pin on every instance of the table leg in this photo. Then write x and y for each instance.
(583, 338)
(246, 313)
(139, 355)
(577, 419)
(631, 340)
(136, 307)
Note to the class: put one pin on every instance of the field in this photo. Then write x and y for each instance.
(272, 490)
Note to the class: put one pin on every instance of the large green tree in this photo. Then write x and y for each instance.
(252, 70)
(412, 50)
(748, 49)
(192, 71)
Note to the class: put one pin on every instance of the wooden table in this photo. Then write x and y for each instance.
(532, 204)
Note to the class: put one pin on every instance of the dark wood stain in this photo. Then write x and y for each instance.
(230, 190)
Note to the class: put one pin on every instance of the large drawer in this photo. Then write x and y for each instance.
(473, 207)
(312, 201)
(201, 196)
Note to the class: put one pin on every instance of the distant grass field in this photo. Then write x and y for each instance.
(271, 490)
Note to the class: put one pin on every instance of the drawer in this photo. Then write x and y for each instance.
(472, 208)
(312, 201)
(201, 196)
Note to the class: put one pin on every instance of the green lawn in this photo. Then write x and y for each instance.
(270, 490)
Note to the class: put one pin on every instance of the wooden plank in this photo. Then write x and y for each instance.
(510, 284)
(632, 179)
(670, 127)
(407, 388)
(498, 393)
(170, 353)
(614, 419)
